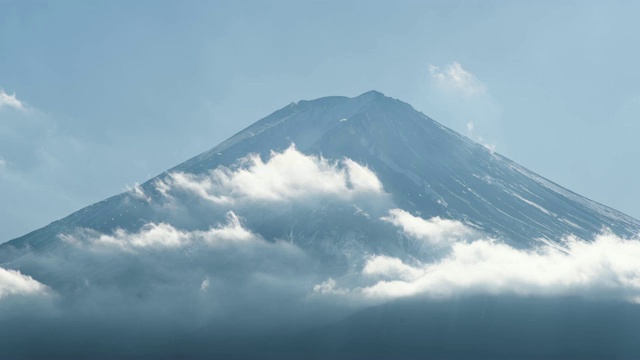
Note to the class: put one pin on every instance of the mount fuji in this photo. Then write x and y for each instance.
(427, 169)
(300, 211)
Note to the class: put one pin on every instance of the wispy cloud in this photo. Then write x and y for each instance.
(467, 102)
(10, 101)
(453, 77)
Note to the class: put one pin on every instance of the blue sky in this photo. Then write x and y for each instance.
(98, 95)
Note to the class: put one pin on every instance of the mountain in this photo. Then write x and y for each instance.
(301, 235)
(427, 168)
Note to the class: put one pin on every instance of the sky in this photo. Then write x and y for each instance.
(99, 95)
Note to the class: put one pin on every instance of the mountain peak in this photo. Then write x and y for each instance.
(371, 94)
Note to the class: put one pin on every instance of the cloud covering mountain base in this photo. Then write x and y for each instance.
(259, 254)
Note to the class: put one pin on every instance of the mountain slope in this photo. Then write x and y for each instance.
(427, 168)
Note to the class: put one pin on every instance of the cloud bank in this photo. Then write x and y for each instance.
(605, 268)
(260, 268)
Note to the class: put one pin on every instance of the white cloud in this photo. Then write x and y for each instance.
(361, 178)
(163, 235)
(12, 282)
(151, 235)
(285, 176)
(389, 267)
(454, 78)
(607, 267)
(434, 231)
(232, 231)
(10, 101)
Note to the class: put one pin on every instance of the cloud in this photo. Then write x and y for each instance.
(158, 282)
(205, 285)
(137, 192)
(386, 266)
(328, 287)
(434, 231)
(470, 127)
(237, 274)
(464, 100)
(36, 180)
(479, 139)
(454, 78)
(168, 281)
(605, 268)
(162, 235)
(12, 282)
(232, 231)
(285, 176)
(10, 101)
